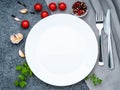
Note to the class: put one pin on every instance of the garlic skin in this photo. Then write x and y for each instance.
(16, 38)
(21, 54)
(24, 11)
(17, 19)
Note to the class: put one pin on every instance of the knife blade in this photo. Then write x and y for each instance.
(107, 30)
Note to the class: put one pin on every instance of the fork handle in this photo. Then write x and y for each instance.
(100, 62)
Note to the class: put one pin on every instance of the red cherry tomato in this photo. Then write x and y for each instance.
(52, 6)
(62, 6)
(38, 6)
(25, 24)
(44, 14)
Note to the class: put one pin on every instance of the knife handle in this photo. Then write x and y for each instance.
(110, 54)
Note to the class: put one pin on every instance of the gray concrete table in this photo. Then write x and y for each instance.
(9, 57)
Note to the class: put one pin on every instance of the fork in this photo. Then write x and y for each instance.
(99, 25)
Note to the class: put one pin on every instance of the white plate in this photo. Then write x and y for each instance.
(61, 49)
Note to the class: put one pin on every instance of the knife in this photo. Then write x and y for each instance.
(107, 30)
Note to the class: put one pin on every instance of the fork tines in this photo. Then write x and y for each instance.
(99, 17)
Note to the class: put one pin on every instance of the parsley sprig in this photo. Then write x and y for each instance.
(94, 79)
(25, 73)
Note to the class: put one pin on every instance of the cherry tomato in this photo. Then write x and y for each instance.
(44, 14)
(38, 6)
(52, 6)
(62, 6)
(25, 24)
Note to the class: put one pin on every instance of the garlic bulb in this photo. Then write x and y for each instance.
(16, 38)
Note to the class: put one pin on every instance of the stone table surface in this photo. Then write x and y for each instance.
(9, 57)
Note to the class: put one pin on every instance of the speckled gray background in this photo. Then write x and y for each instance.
(9, 57)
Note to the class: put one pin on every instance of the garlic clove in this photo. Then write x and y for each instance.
(13, 39)
(19, 35)
(24, 11)
(21, 54)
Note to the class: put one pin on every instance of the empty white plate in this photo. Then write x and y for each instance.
(61, 49)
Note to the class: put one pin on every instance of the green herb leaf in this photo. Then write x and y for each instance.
(24, 71)
(94, 80)
(86, 78)
(99, 81)
(94, 83)
(25, 64)
(31, 73)
(21, 77)
(22, 84)
(16, 83)
(18, 67)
